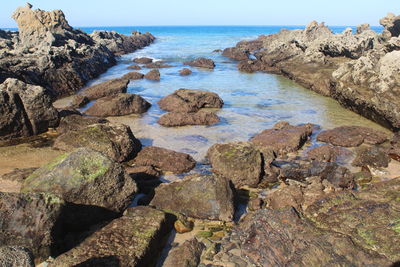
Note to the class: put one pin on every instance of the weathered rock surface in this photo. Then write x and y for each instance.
(164, 159)
(15, 256)
(201, 63)
(107, 88)
(25, 110)
(32, 221)
(135, 239)
(153, 75)
(204, 197)
(133, 75)
(239, 162)
(174, 119)
(190, 100)
(114, 140)
(186, 255)
(118, 105)
(284, 138)
(185, 72)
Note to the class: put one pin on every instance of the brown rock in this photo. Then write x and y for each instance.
(133, 76)
(201, 63)
(185, 72)
(143, 60)
(108, 88)
(153, 75)
(174, 119)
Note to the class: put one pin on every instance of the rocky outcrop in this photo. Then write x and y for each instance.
(107, 88)
(25, 110)
(201, 63)
(118, 105)
(174, 119)
(15, 256)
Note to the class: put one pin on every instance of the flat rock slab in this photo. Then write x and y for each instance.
(352, 136)
(111, 87)
(118, 105)
(190, 100)
(204, 197)
(135, 239)
(284, 138)
(175, 119)
(164, 159)
(201, 63)
(114, 140)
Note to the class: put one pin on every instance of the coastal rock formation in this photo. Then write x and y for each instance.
(174, 119)
(201, 63)
(15, 256)
(25, 110)
(135, 239)
(204, 197)
(153, 75)
(165, 160)
(107, 88)
(185, 72)
(114, 140)
(118, 105)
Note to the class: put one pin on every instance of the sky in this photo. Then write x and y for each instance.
(209, 12)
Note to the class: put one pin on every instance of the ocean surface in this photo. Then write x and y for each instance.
(253, 102)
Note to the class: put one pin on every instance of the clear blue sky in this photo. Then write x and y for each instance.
(209, 12)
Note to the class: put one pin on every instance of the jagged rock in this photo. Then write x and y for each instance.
(15, 256)
(25, 110)
(135, 239)
(76, 122)
(185, 72)
(201, 63)
(153, 75)
(143, 60)
(114, 140)
(391, 23)
(133, 75)
(204, 197)
(164, 159)
(174, 119)
(190, 100)
(118, 105)
(107, 88)
(185, 255)
(235, 53)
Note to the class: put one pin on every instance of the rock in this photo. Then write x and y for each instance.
(135, 239)
(239, 162)
(190, 100)
(133, 76)
(18, 175)
(76, 122)
(352, 136)
(153, 75)
(25, 110)
(185, 72)
(283, 138)
(203, 197)
(327, 153)
(201, 63)
(108, 88)
(174, 119)
(391, 23)
(114, 140)
(15, 256)
(32, 221)
(186, 255)
(143, 60)
(235, 53)
(79, 101)
(134, 67)
(118, 105)
(375, 157)
(164, 159)
(89, 180)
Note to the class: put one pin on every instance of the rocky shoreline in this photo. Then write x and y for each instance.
(289, 195)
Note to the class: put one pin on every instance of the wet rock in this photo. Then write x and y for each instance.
(158, 65)
(186, 255)
(283, 138)
(15, 256)
(114, 140)
(135, 239)
(204, 197)
(391, 23)
(352, 136)
(143, 60)
(76, 122)
(235, 53)
(164, 159)
(134, 67)
(153, 75)
(239, 162)
(201, 63)
(25, 110)
(107, 88)
(18, 175)
(79, 101)
(327, 153)
(185, 72)
(118, 105)
(190, 100)
(174, 119)
(133, 76)
(32, 221)
(374, 156)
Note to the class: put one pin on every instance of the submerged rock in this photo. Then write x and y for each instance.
(174, 119)
(153, 75)
(107, 88)
(118, 105)
(185, 255)
(15, 256)
(203, 197)
(201, 63)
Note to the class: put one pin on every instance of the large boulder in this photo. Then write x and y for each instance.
(135, 239)
(15, 256)
(25, 110)
(174, 119)
(239, 162)
(107, 88)
(118, 105)
(204, 197)
(32, 221)
(114, 140)
(201, 63)
(164, 159)
(186, 255)
(190, 100)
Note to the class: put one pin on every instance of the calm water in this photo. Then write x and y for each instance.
(253, 102)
